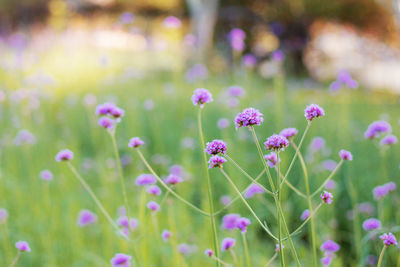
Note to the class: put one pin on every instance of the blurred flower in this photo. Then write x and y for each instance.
(271, 159)
(377, 128)
(126, 18)
(154, 190)
(165, 235)
(382, 190)
(249, 60)
(173, 179)
(278, 55)
(153, 206)
(242, 224)
(216, 147)
(46, 175)
(106, 122)
(388, 140)
(371, 224)
(223, 123)
(185, 248)
(196, 73)
(104, 109)
(276, 142)
(330, 246)
(313, 111)
(317, 143)
(121, 260)
(209, 252)
(289, 132)
(229, 221)
(330, 185)
(236, 39)
(366, 207)
(227, 243)
(23, 246)
(304, 216)
(388, 239)
(86, 217)
(201, 96)
(3, 215)
(225, 200)
(216, 161)
(278, 247)
(64, 155)
(135, 142)
(235, 91)
(24, 137)
(248, 117)
(326, 260)
(345, 155)
(253, 190)
(145, 179)
(172, 22)
(326, 197)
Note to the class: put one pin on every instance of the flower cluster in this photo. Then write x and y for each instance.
(272, 159)
(345, 155)
(121, 260)
(327, 197)
(23, 246)
(329, 247)
(216, 147)
(289, 133)
(388, 239)
(135, 142)
(249, 117)
(216, 161)
(376, 129)
(201, 96)
(127, 226)
(109, 114)
(382, 190)
(86, 217)
(276, 143)
(313, 111)
(235, 221)
(227, 243)
(64, 155)
(371, 224)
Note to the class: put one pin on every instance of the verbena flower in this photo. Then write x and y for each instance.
(289, 132)
(227, 243)
(185, 248)
(225, 200)
(23, 246)
(229, 221)
(313, 111)
(366, 207)
(216, 147)
(276, 142)
(223, 123)
(377, 128)
(121, 260)
(104, 109)
(127, 226)
(388, 239)
(249, 60)
(64, 155)
(242, 224)
(216, 161)
(326, 197)
(3, 216)
(117, 112)
(165, 235)
(249, 117)
(86, 217)
(209, 252)
(371, 224)
(253, 190)
(106, 122)
(382, 190)
(330, 246)
(173, 179)
(46, 175)
(278, 248)
(388, 140)
(345, 155)
(153, 206)
(271, 159)
(326, 260)
(201, 96)
(135, 142)
(304, 216)
(154, 190)
(145, 179)
(330, 185)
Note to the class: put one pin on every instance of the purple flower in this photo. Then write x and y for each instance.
(330, 246)
(117, 112)
(153, 206)
(3, 216)
(289, 133)
(253, 190)
(64, 155)
(229, 221)
(145, 179)
(223, 123)
(216, 147)
(173, 179)
(165, 235)
(330, 184)
(388, 239)
(388, 140)
(135, 142)
(326, 197)
(104, 109)
(154, 190)
(278, 55)
(216, 161)
(313, 111)
(271, 159)
(317, 143)
(177, 170)
(334, 86)
(236, 91)
(46, 175)
(380, 191)
(185, 248)
(126, 17)
(304, 216)
(201, 96)
(127, 226)
(86, 217)
(248, 117)
(391, 186)
(327, 260)
(366, 207)
(121, 260)
(345, 155)
(236, 38)
(371, 224)
(106, 122)
(172, 22)
(278, 247)
(209, 252)
(24, 137)
(242, 224)
(276, 142)
(227, 243)
(377, 128)
(249, 60)
(23, 246)
(225, 200)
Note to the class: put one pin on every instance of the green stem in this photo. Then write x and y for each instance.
(246, 250)
(210, 194)
(271, 260)
(121, 174)
(96, 200)
(168, 188)
(222, 262)
(305, 221)
(381, 256)
(281, 253)
(327, 179)
(14, 262)
(247, 204)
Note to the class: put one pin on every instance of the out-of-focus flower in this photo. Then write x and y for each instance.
(304, 216)
(165, 235)
(46, 175)
(201, 96)
(326, 197)
(289, 133)
(145, 179)
(153, 206)
(64, 155)
(223, 123)
(371, 224)
(253, 190)
(345, 155)
(86, 217)
(249, 60)
(330, 246)
(173, 179)
(154, 190)
(377, 128)
(229, 221)
(278, 247)
(121, 260)
(23, 246)
(278, 55)
(209, 252)
(388, 140)
(236, 39)
(135, 142)
(271, 159)
(388, 239)
(172, 22)
(242, 224)
(3, 215)
(227, 243)
(24, 137)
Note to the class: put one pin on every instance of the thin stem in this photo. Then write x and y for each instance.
(247, 175)
(306, 220)
(96, 200)
(121, 174)
(14, 262)
(168, 188)
(295, 155)
(247, 204)
(222, 262)
(281, 254)
(246, 250)
(235, 259)
(381, 256)
(209, 187)
(271, 260)
(310, 208)
(327, 179)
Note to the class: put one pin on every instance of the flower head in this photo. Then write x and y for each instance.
(145, 179)
(248, 117)
(242, 224)
(216, 147)
(86, 217)
(271, 159)
(117, 112)
(209, 252)
(104, 109)
(121, 260)
(345, 155)
(326, 197)
(330, 246)
(153, 206)
(201, 96)
(388, 140)
(382, 190)
(64, 155)
(106, 122)
(216, 161)
(46, 175)
(304, 216)
(154, 190)
(327, 260)
(135, 142)
(289, 132)
(173, 179)
(377, 128)
(371, 224)
(388, 239)
(165, 235)
(229, 221)
(276, 142)
(227, 243)
(313, 111)
(253, 190)
(23, 246)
